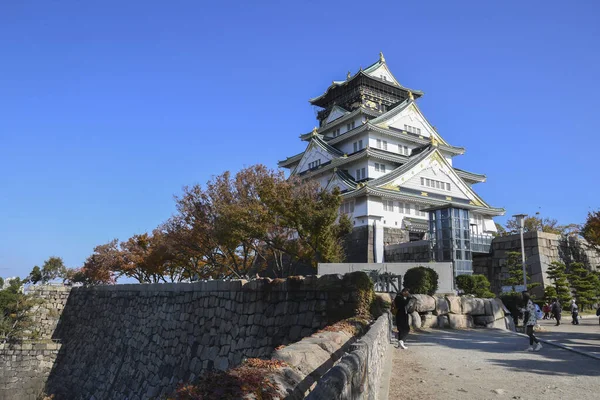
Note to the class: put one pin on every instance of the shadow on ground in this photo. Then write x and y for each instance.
(549, 361)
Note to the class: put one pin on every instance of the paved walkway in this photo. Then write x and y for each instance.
(584, 337)
(491, 364)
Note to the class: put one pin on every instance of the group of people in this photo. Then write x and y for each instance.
(554, 311)
(404, 305)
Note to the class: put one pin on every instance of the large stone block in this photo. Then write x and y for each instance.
(415, 320)
(429, 321)
(455, 305)
(472, 306)
(441, 306)
(443, 322)
(424, 303)
(458, 321)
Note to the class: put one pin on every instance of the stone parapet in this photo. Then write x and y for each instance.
(357, 375)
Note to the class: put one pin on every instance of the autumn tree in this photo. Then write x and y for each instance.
(591, 230)
(237, 223)
(557, 274)
(102, 266)
(533, 223)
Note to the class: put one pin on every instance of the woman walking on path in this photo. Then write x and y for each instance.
(574, 312)
(402, 302)
(530, 321)
(556, 310)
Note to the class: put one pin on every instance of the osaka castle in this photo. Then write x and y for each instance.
(394, 169)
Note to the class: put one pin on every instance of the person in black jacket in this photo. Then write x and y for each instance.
(556, 310)
(403, 303)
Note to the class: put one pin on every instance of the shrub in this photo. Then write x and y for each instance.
(249, 379)
(421, 280)
(477, 285)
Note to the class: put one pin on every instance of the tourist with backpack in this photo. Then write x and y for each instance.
(530, 320)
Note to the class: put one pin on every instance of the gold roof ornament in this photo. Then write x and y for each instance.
(348, 75)
(434, 141)
(381, 57)
(314, 131)
(410, 96)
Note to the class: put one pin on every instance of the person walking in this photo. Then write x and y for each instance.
(546, 309)
(556, 310)
(529, 321)
(574, 312)
(403, 302)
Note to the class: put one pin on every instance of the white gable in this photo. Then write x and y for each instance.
(411, 117)
(335, 113)
(336, 181)
(382, 72)
(436, 170)
(313, 153)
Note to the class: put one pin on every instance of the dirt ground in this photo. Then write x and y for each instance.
(488, 364)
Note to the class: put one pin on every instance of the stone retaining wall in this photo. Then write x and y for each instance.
(24, 369)
(140, 341)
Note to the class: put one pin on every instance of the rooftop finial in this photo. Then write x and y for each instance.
(348, 75)
(314, 131)
(434, 141)
(410, 96)
(381, 57)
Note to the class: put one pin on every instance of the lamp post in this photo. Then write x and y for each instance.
(521, 221)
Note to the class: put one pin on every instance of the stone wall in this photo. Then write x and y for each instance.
(24, 369)
(140, 341)
(541, 249)
(46, 315)
(405, 252)
(357, 375)
(358, 244)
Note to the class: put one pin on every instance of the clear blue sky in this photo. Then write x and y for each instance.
(108, 108)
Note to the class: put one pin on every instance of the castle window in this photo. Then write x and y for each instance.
(314, 164)
(358, 145)
(388, 205)
(412, 129)
(360, 174)
(435, 184)
(404, 150)
(347, 207)
(381, 144)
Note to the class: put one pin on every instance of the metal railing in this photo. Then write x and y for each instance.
(481, 243)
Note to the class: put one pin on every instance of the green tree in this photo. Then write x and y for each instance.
(421, 280)
(514, 274)
(477, 285)
(549, 294)
(500, 230)
(35, 275)
(557, 274)
(582, 283)
(591, 230)
(15, 319)
(53, 268)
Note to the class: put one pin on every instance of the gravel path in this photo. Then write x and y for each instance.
(488, 364)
